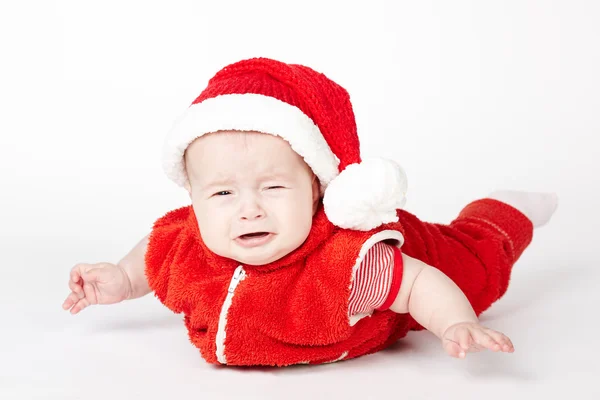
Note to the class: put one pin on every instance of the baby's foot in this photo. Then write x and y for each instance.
(538, 207)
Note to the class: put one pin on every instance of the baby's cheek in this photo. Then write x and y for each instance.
(212, 231)
(300, 224)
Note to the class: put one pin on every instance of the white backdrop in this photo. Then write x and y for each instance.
(469, 96)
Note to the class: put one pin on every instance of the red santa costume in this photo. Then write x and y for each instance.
(329, 299)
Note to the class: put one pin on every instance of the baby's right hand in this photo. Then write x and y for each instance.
(101, 283)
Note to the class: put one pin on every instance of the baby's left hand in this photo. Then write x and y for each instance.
(470, 337)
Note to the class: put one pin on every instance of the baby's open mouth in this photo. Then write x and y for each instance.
(254, 235)
(254, 239)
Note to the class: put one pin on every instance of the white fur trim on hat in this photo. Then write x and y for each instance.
(249, 112)
(366, 195)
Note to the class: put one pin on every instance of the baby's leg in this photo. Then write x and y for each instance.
(478, 249)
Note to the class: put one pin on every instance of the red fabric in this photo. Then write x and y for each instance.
(296, 309)
(322, 100)
(376, 280)
(396, 280)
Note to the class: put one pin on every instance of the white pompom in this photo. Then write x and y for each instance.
(366, 195)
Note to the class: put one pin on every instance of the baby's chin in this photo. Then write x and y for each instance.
(258, 259)
(258, 256)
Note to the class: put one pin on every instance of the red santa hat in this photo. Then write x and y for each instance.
(314, 115)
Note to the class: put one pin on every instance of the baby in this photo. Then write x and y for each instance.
(294, 250)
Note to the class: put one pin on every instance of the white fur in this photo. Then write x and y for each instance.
(249, 112)
(366, 195)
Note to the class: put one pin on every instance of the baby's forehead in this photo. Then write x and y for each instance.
(266, 154)
(238, 141)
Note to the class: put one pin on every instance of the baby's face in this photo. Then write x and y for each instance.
(253, 196)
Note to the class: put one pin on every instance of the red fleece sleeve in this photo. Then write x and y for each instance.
(377, 280)
(163, 244)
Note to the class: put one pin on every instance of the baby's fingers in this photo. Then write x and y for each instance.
(464, 339)
(78, 271)
(75, 273)
(485, 340)
(502, 340)
(80, 305)
(459, 343)
(70, 300)
(76, 288)
(454, 349)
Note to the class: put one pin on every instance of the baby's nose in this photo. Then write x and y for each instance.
(251, 210)
(252, 216)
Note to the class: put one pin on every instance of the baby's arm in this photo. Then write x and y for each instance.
(438, 304)
(106, 283)
(134, 266)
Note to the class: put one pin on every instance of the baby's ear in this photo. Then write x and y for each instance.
(316, 193)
